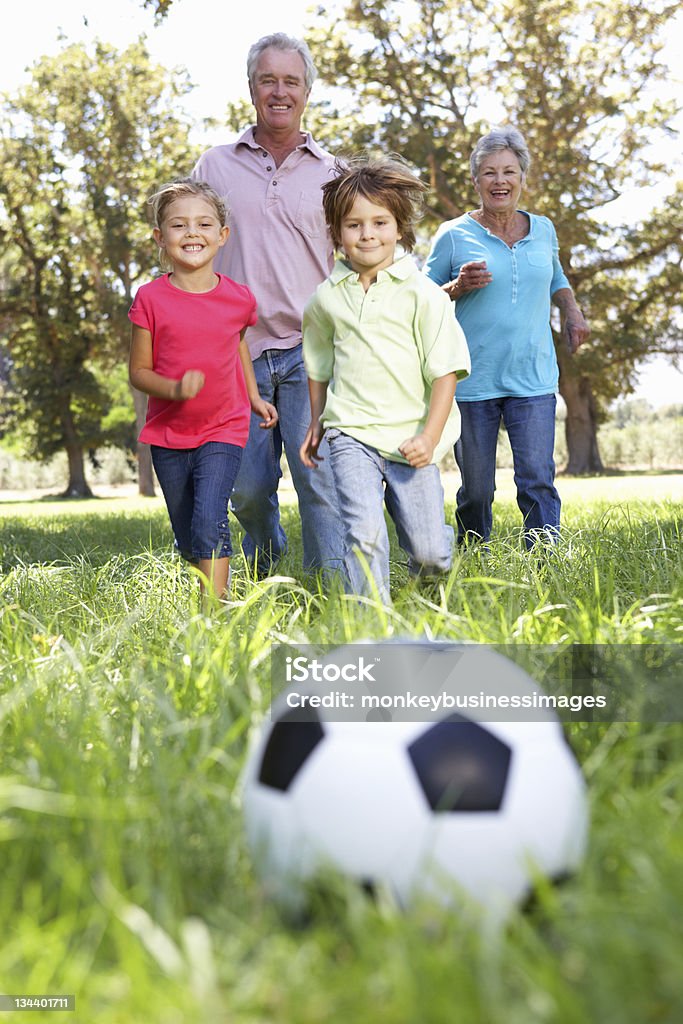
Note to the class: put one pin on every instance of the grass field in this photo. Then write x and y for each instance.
(125, 715)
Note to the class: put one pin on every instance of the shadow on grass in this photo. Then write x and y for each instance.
(97, 537)
(99, 534)
(609, 472)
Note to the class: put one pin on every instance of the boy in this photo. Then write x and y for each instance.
(382, 352)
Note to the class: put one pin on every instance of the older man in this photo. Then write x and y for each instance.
(271, 179)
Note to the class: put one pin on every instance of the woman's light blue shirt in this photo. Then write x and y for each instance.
(507, 323)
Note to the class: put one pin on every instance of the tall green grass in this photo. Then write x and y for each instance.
(125, 715)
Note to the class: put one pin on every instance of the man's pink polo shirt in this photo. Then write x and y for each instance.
(279, 244)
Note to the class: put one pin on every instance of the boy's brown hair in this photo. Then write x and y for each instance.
(385, 181)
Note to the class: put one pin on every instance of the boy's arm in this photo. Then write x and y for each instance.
(317, 391)
(258, 405)
(419, 450)
(144, 377)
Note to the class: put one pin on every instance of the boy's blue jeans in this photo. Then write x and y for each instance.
(282, 380)
(414, 498)
(530, 424)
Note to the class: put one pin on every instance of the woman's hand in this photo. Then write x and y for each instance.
(575, 330)
(472, 276)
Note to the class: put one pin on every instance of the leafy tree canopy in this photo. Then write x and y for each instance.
(82, 146)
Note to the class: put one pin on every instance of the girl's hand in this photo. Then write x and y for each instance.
(268, 413)
(472, 275)
(418, 451)
(309, 449)
(189, 385)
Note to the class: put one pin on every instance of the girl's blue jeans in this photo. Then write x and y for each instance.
(196, 484)
(414, 498)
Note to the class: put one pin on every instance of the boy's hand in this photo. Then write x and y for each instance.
(418, 450)
(267, 412)
(189, 385)
(309, 449)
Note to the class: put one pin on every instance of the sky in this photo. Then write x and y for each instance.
(206, 38)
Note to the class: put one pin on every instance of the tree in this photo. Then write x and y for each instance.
(580, 79)
(82, 146)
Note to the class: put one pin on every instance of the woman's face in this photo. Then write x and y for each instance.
(499, 182)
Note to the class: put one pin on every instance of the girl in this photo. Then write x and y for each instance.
(189, 355)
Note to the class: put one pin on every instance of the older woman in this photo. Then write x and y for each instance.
(501, 266)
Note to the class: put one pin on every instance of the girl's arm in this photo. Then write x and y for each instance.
(419, 450)
(262, 408)
(317, 391)
(143, 376)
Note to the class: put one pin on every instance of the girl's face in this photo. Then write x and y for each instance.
(191, 233)
(369, 235)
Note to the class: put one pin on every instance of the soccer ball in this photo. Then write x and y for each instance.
(457, 810)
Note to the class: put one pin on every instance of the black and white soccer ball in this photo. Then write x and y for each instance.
(454, 810)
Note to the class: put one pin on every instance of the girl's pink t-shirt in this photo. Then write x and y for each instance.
(197, 331)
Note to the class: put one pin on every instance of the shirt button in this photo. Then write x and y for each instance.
(274, 183)
(269, 168)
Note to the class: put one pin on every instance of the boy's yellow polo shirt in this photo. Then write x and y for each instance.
(380, 351)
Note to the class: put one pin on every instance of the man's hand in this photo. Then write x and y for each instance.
(267, 412)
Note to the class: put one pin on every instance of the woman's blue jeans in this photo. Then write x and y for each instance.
(530, 424)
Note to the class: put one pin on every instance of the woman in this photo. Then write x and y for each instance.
(500, 264)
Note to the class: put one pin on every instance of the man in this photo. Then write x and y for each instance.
(279, 246)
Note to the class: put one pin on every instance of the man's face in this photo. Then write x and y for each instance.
(279, 90)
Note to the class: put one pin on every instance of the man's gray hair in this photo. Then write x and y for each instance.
(505, 137)
(288, 44)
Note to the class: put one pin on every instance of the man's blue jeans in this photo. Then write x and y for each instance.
(366, 481)
(281, 380)
(530, 424)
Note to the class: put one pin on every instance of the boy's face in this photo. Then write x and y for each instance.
(369, 235)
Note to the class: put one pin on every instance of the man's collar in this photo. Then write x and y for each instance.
(308, 142)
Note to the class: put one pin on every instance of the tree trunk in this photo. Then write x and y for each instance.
(78, 485)
(144, 454)
(581, 429)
